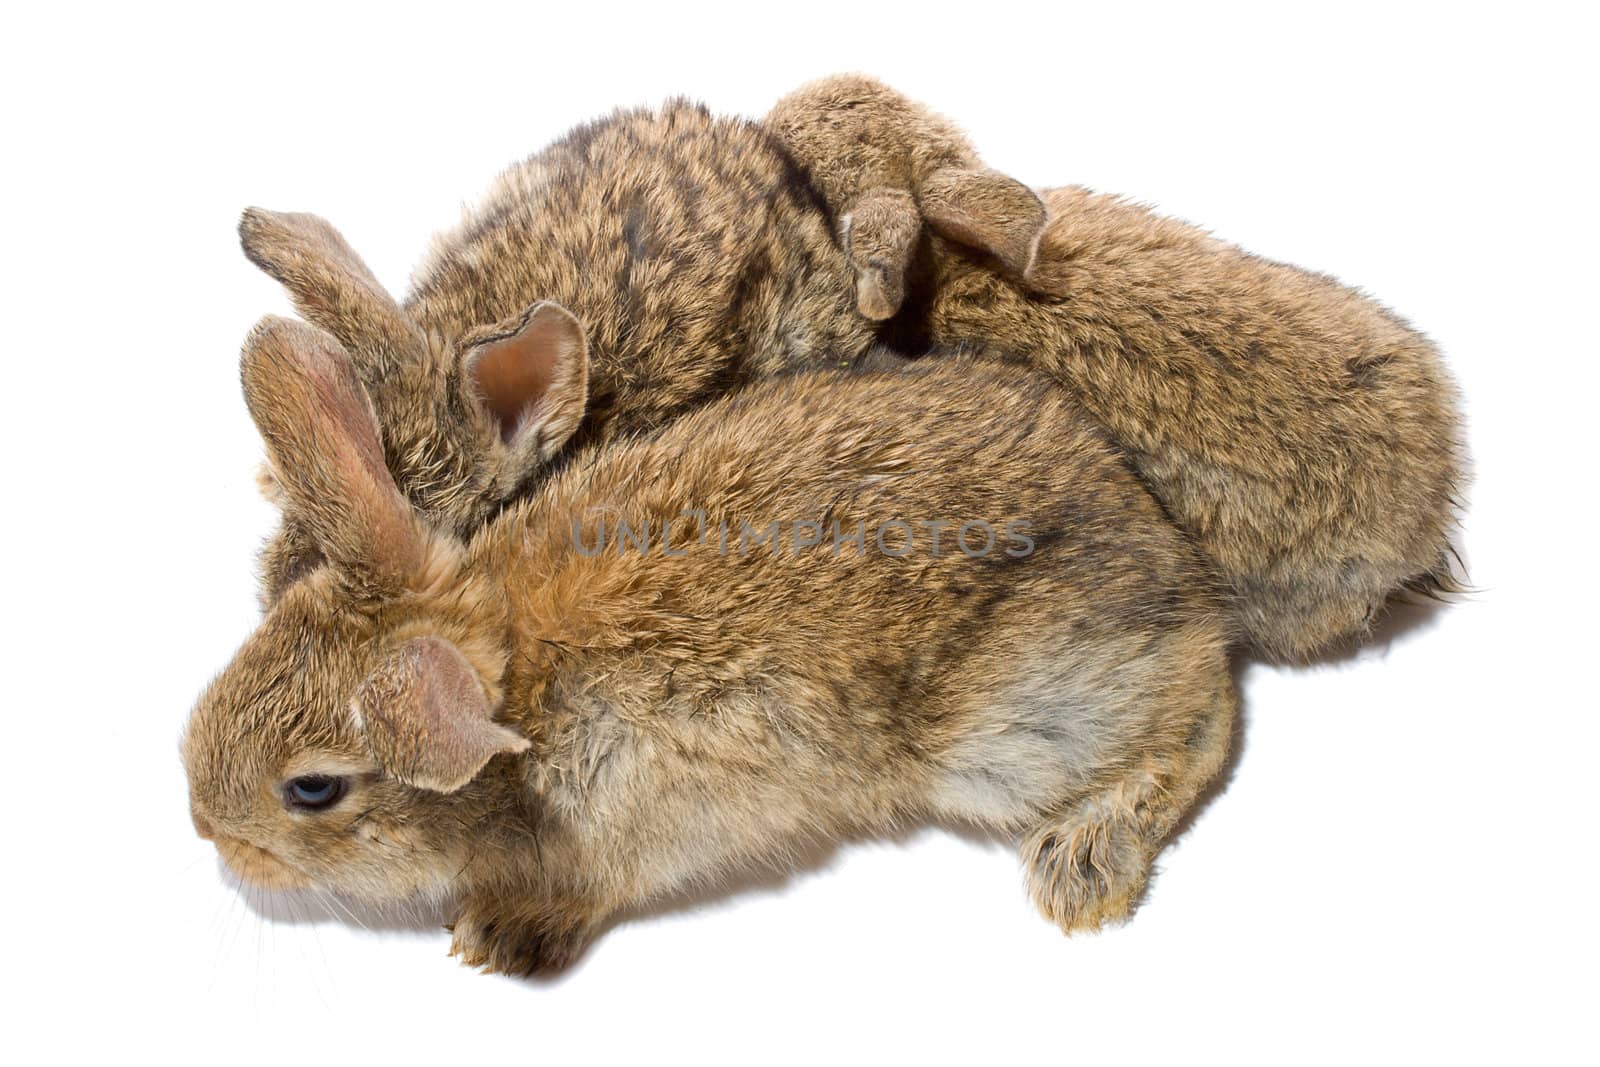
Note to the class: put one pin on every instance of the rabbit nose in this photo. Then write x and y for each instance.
(201, 826)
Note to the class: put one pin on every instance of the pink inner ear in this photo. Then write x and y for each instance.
(320, 428)
(510, 383)
(427, 718)
(521, 374)
(338, 395)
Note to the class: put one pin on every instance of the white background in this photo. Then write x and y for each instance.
(1402, 862)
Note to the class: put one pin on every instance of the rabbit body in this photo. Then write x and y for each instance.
(546, 728)
(1307, 438)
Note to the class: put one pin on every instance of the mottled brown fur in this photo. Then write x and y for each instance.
(695, 254)
(666, 719)
(1306, 437)
(887, 165)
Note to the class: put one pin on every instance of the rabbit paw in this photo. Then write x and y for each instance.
(519, 943)
(880, 233)
(981, 209)
(1086, 874)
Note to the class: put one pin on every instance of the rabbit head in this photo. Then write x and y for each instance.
(351, 742)
(467, 420)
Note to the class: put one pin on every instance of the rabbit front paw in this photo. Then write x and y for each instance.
(519, 940)
(880, 233)
(980, 209)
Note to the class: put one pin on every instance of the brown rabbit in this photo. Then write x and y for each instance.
(1307, 438)
(693, 250)
(547, 725)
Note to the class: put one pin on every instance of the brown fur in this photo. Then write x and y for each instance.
(1307, 438)
(660, 720)
(1302, 434)
(693, 251)
(887, 165)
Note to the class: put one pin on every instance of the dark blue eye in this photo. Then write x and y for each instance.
(314, 792)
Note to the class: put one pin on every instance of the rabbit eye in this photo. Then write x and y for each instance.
(314, 792)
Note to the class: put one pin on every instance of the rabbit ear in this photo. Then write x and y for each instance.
(426, 717)
(330, 286)
(986, 210)
(326, 455)
(532, 376)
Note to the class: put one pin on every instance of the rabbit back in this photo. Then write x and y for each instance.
(1306, 437)
(691, 246)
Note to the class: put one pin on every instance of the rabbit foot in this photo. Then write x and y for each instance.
(519, 941)
(1087, 872)
(981, 209)
(880, 233)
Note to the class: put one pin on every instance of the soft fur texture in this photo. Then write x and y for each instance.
(886, 165)
(582, 731)
(693, 251)
(544, 735)
(1306, 437)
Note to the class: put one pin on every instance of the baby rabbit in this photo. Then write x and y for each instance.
(1307, 438)
(693, 250)
(546, 725)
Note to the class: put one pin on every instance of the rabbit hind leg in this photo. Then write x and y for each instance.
(1087, 863)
